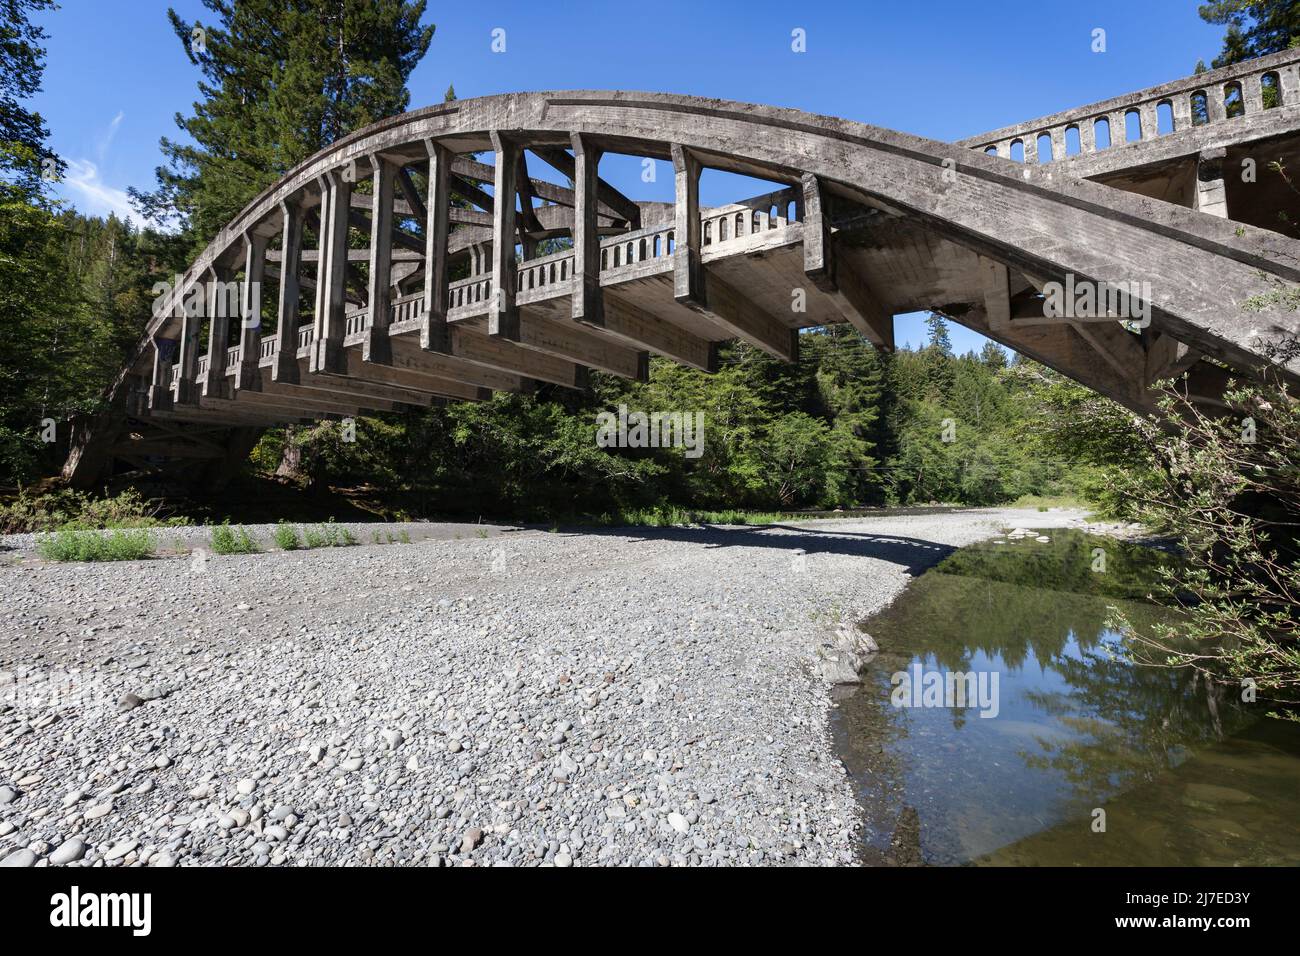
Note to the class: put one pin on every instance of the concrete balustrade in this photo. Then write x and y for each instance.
(1193, 101)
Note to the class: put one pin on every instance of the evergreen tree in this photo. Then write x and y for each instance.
(22, 131)
(1255, 27)
(938, 358)
(279, 82)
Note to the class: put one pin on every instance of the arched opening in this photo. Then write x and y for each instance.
(1132, 126)
(1045, 154)
(1018, 150)
(1101, 133)
(990, 150)
(1234, 104)
(722, 229)
(708, 233)
(1072, 146)
(791, 212)
(1272, 90)
(1164, 118)
(1200, 108)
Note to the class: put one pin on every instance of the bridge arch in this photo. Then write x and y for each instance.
(985, 238)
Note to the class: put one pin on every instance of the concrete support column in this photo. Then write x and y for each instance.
(588, 302)
(1182, 104)
(1252, 93)
(1118, 131)
(1214, 103)
(1058, 143)
(327, 346)
(285, 368)
(818, 263)
(1150, 121)
(688, 271)
(191, 322)
(213, 380)
(503, 315)
(248, 374)
(433, 328)
(1289, 80)
(1211, 196)
(160, 393)
(376, 346)
(1087, 136)
(1030, 141)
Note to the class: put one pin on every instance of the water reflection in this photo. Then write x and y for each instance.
(1079, 727)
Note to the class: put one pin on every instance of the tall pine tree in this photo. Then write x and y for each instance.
(279, 82)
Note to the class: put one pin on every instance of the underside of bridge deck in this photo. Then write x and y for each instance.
(400, 271)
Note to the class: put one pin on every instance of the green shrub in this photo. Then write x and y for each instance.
(329, 535)
(286, 537)
(228, 540)
(70, 544)
(67, 508)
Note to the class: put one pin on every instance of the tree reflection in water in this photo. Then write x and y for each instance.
(1079, 722)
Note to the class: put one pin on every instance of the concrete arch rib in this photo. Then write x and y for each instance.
(1204, 272)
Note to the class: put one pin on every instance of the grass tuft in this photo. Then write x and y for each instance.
(228, 540)
(286, 537)
(70, 544)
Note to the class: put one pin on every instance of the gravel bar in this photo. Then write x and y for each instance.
(480, 696)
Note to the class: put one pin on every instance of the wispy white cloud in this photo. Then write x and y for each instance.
(106, 140)
(94, 196)
(85, 186)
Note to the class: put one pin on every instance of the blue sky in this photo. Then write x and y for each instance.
(116, 74)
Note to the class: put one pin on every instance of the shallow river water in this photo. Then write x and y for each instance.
(1084, 757)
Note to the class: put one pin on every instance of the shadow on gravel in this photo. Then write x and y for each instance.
(914, 554)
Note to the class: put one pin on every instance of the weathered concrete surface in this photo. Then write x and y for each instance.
(899, 223)
(618, 697)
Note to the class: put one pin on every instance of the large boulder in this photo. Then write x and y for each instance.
(844, 656)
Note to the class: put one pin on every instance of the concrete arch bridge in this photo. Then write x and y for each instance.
(1165, 193)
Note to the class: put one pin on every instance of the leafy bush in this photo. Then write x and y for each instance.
(72, 545)
(329, 535)
(1228, 487)
(286, 537)
(67, 508)
(228, 540)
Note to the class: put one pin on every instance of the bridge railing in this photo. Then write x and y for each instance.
(1223, 95)
(769, 215)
